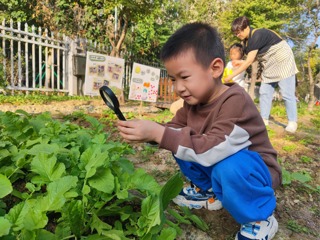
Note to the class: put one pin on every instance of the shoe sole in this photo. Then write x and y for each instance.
(181, 201)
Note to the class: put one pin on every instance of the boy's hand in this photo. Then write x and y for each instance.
(141, 131)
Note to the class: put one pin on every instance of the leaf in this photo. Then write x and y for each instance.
(75, 216)
(5, 226)
(99, 225)
(140, 180)
(93, 158)
(42, 234)
(301, 177)
(4, 153)
(44, 148)
(27, 215)
(150, 214)
(103, 180)
(178, 217)
(170, 190)
(86, 189)
(56, 190)
(5, 186)
(35, 219)
(286, 177)
(16, 215)
(168, 234)
(115, 235)
(198, 221)
(46, 166)
(27, 235)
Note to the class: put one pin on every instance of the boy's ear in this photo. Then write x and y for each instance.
(217, 67)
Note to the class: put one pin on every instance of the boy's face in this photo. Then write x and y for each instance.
(192, 82)
(235, 54)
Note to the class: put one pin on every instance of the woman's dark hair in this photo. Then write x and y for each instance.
(239, 24)
(203, 39)
(239, 47)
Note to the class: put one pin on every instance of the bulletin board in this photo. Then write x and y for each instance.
(144, 83)
(102, 70)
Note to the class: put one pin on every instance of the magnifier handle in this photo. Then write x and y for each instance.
(120, 116)
(152, 143)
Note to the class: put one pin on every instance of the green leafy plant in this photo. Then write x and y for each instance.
(289, 148)
(38, 98)
(60, 181)
(288, 177)
(316, 123)
(302, 177)
(278, 110)
(306, 159)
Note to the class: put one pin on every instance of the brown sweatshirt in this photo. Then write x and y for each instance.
(209, 133)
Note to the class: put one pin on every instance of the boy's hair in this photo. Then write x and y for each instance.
(239, 24)
(203, 39)
(239, 47)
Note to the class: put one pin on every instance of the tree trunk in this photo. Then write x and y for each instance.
(253, 80)
(311, 82)
(116, 39)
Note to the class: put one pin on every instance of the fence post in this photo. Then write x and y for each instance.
(72, 80)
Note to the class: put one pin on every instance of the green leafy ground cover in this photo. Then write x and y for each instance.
(298, 198)
(59, 180)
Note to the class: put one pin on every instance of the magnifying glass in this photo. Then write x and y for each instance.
(112, 101)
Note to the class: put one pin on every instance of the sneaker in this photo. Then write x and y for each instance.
(194, 197)
(263, 230)
(292, 127)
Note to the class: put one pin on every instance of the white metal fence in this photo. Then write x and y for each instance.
(33, 60)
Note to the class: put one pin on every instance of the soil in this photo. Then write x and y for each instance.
(298, 204)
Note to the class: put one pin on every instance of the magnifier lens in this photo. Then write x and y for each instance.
(109, 100)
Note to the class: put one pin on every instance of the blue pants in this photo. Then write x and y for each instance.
(242, 182)
(287, 88)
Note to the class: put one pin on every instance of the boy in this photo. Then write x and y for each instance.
(218, 138)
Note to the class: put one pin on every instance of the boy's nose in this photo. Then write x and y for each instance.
(179, 86)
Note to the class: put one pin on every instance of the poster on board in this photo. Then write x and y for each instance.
(102, 70)
(144, 83)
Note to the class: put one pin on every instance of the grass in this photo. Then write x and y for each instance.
(296, 227)
(38, 98)
(147, 151)
(306, 159)
(307, 140)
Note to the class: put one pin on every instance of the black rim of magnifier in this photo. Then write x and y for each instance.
(115, 103)
(115, 106)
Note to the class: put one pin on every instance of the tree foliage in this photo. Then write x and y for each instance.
(148, 35)
(262, 13)
(104, 21)
(139, 28)
(16, 10)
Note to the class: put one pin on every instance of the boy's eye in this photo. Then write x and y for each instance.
(184, 77)
(171, 79)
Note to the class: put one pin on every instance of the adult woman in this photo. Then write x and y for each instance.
(278, 67)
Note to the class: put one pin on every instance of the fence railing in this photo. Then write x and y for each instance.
(37, 60)
(32, 59)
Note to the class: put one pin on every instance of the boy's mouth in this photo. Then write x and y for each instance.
(186, 97)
